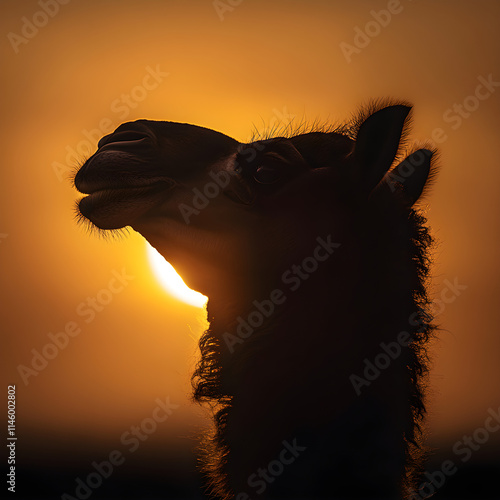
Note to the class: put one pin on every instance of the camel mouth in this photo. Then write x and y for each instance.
(117, 182)
(163, 184)
(129, 183)
(117, 207)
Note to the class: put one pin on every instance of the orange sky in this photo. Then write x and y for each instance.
(265, 60)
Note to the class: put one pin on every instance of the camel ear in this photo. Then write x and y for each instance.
(377, 144)
(407, 180)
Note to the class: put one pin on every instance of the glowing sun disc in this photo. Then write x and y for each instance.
(171, 281)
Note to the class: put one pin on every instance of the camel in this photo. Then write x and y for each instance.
(316, 262)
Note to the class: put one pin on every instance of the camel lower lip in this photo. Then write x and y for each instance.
(109, 195)
(119, 207)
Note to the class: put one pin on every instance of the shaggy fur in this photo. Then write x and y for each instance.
(390, 297)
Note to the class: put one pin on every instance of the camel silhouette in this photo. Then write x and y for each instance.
(315, 264)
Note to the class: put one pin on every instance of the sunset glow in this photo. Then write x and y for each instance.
(171, 281)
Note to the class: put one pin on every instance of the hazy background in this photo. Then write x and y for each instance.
(230, 65)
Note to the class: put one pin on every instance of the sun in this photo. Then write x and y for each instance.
(171, 281)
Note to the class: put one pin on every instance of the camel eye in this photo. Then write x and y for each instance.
(238, 169)
(267, 175)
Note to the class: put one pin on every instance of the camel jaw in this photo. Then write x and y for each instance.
(119, 207)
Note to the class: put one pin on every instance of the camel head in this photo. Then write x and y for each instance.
(221, 211)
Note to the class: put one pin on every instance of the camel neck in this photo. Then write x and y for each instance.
(319, 359)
